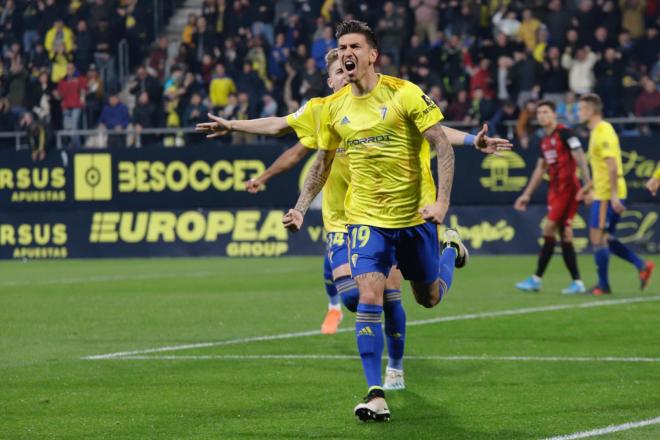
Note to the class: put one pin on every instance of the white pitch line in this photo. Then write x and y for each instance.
(249, 357)
(608, 430)
(511, 312)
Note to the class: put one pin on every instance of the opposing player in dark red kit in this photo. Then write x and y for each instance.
(561, 155)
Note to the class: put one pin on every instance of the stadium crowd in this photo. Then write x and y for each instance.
(480, 61)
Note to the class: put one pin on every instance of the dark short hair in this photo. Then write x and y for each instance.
(593, 100)
(357, 27)
(547, 103)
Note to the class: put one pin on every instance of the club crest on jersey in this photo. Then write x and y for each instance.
(383, 112)
(344, 121)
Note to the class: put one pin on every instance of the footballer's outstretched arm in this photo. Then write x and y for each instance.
(313, 185)
(436, 137)
(481, 142)
(534, 182)
(284, 162)
(273, 126)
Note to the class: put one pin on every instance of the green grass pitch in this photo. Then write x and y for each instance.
(54, 313)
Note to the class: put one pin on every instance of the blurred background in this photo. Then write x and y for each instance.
(98, 100)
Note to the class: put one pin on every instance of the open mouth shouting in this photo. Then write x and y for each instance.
(349, 65)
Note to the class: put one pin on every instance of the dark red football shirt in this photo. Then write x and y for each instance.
(556, 149)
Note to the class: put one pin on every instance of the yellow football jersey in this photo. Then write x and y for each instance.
(306, 121)
(389, 159)
(656, 174)
(604, 143)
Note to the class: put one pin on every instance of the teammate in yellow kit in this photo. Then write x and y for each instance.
(385, 126)
(609, 194)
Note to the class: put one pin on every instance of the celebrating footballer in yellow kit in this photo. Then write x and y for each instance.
(610, 194)
(384, 123)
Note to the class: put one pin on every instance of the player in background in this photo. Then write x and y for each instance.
(336, 261)
(384, 125)
(653, 183)
(610, 194)
(561, 155)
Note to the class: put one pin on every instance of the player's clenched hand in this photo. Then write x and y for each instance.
(435, 213)
(218, 127)
(617, 206)
(586, 195)
(293, 220)
(521, 203)
(490, 145)
(253, 186)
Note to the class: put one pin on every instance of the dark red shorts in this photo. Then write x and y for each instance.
(562, 207)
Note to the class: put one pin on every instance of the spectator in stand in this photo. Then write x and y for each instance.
(94, 96)
(580, 69)
(194, 114)
(528, 29)
(220, 88)
(600, 40)
(31, 16)
(524, 77)
(58, 62)
(648, 48)
(278, 56)
(59, 33)
(321, 47)
(43, 102)
(115, 117)
(6, 123)
(144, 116)
(507, 112)
(558, 21)
(504, 82)
(36, 136)
(144, 82)
(158, 57)
(72, 91)
(459, 108)
(482, 79)
(633, 17)
(482, 107)
(242, 112)
(84, 46)
(648, 102)
(38, 58)
(17, 87)
(554, 79)
(426, 18)
(385, 65)
(312, 84)
(414, 52)
(585, 21)
(250, 83)
(269, 108)
(567, 110)
(505, 22)
(391, 31)
(264, 14)
(524, 126)
(203, 42)
(609, 80)
(438, 97)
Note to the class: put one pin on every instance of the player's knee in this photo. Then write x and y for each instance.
(428, 300)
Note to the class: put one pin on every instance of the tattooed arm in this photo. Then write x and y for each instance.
(313, 185)
(438, 140)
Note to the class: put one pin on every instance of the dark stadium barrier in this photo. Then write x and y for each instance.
(159, 201)
(244, 233)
